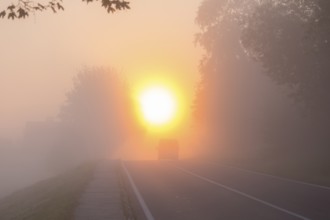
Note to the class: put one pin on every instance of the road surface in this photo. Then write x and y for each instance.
(200, 190)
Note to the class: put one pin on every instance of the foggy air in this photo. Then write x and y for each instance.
(166, 110)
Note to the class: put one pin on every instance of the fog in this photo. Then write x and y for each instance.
(261, 101)
(41, 56)
(67, 83)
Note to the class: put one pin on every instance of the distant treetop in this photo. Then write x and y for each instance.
(23, 8)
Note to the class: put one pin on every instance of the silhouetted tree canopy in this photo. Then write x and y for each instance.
(98, 114)
(23, 8)
(290, 41)
(289, 38)
(222, 99)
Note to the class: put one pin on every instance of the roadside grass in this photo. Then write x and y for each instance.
(51, 199)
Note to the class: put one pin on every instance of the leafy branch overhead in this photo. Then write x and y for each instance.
(23, 8)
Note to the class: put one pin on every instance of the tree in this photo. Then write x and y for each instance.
(290, 40)
(23, 8)
(223, 103)
(97, 116)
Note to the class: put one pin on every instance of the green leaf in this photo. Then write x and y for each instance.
(41, 6)
(60, 7)
(11, 7)
(2, 14)
(12, 15)
(22, 13)
(54, 10)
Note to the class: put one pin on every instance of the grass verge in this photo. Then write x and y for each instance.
(52, 199)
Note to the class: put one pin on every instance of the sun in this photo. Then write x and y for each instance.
(158, 105)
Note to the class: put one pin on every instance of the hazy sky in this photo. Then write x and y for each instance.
(40, 55)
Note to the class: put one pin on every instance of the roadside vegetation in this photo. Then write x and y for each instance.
(51, 199)
(263, 99)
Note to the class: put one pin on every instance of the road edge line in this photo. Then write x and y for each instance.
(138, 195)
(243, 194)
(272, 176)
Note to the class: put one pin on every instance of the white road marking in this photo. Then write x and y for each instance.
(272, 176)
(138, 195)
(243, 194)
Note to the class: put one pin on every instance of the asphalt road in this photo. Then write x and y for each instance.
(205, 191)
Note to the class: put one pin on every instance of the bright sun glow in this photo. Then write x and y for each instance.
(158, 105)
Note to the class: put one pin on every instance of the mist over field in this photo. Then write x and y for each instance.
(250, 79)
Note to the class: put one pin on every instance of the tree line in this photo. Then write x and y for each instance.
(287, 41)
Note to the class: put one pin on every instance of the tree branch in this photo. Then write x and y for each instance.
(23, 8)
